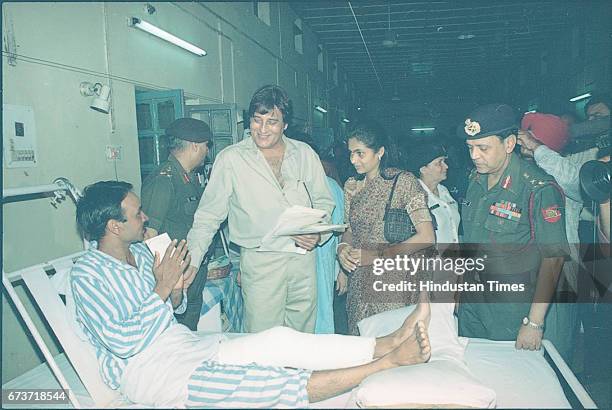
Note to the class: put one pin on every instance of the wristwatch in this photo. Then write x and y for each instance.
(527, 322)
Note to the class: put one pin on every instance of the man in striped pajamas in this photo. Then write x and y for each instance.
(125, 299)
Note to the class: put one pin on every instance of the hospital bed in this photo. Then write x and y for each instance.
(521, 379)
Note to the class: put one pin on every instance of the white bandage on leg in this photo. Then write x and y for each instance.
(285, 347)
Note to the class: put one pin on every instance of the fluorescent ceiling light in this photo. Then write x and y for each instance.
(423, 128)
(158, 32)
(320, 109)
(580, 97)
(530, 112)
(390, 39)
(346, 120)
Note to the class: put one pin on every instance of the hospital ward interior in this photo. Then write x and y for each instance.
(306, 204)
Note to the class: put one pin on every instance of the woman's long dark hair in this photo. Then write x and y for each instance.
(372, 135)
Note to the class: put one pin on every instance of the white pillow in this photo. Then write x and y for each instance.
(445, 344)
(442, 383)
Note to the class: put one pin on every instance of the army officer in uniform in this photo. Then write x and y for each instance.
(514, 212)
(171, 193)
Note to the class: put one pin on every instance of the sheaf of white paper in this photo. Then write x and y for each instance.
(296, 220)
(316, 228)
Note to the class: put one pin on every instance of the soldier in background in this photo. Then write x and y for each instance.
(171, 194)
(514, 213)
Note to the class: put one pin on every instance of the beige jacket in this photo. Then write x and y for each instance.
(243, 189)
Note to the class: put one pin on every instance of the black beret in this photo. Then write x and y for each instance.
(422, 154)
(487, 120)
(189, 129)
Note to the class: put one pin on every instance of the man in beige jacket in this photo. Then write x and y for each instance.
(251, 184)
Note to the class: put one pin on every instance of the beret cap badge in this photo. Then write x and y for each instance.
(471, 127)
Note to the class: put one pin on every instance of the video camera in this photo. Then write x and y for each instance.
(595, 180)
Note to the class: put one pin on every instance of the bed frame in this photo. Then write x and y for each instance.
(47, 294)
(81, 355)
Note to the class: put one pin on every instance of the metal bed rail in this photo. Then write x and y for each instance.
(58, 187)
(581, 394)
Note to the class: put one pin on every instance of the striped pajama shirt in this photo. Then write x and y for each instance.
(121, 316)
(117, 309)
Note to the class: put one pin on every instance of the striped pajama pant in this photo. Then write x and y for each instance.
(266, 369)
(214, 385)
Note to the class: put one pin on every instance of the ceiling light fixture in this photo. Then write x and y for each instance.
(580, 97)
(465, 36)
(423, 129)
(390, 39)
(346, 120)
(164, 35)
(320, 109)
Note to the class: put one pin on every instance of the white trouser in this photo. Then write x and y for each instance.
(285, 347)
(158, 376)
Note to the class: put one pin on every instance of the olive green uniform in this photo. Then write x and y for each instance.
(170, 197)
(516, 224)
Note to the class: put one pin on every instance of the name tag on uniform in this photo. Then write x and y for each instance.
(506, 210)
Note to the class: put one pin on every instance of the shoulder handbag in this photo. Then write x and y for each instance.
(398, 225)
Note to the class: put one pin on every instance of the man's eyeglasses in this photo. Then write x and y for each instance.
(307, 193)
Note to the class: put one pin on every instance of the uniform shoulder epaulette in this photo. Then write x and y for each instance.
(166, 171)
(535, 176)
(536, 179)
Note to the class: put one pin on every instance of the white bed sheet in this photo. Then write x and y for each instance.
(521, 379)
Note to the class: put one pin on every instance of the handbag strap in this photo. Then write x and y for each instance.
(388, 206)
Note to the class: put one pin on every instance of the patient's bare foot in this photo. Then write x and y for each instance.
(414, 349)
(421, 313)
